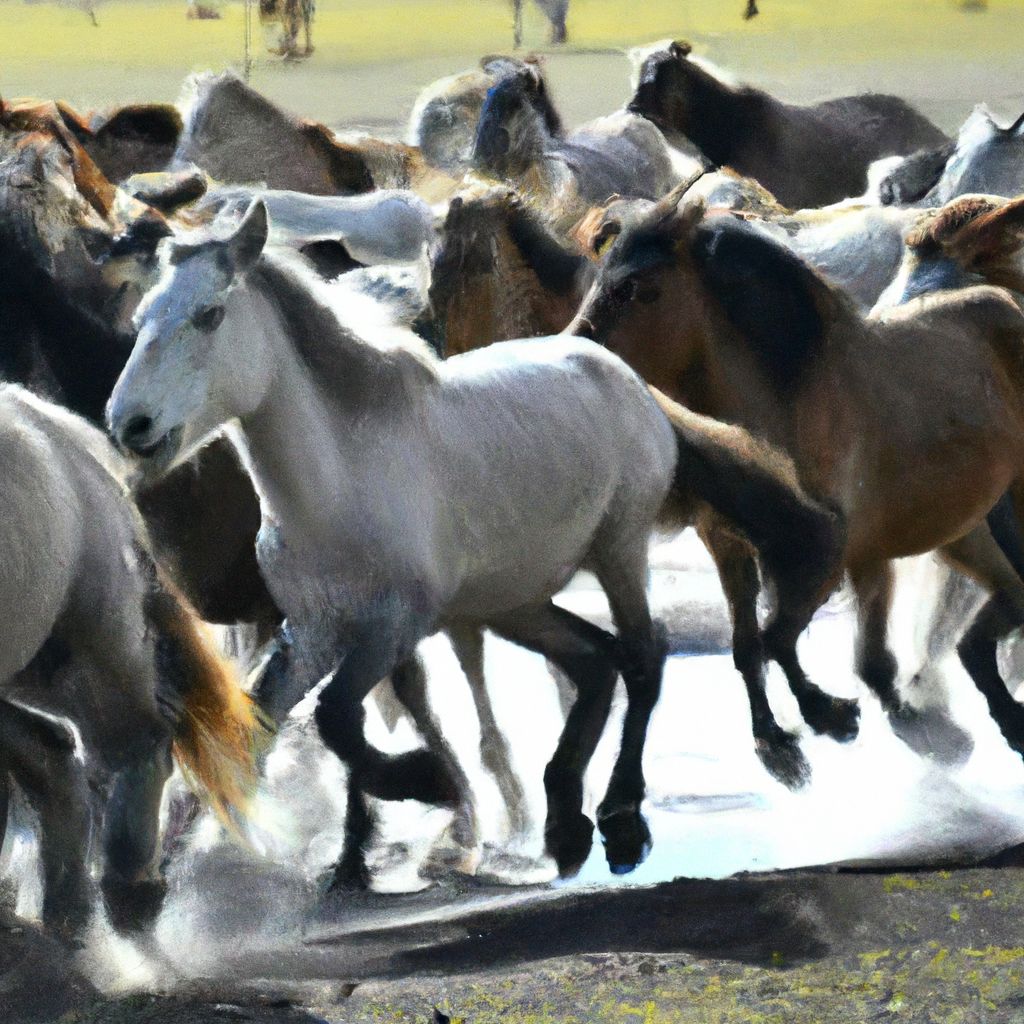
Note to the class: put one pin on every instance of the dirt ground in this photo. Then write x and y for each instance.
(805, 947)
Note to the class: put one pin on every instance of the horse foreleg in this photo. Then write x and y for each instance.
(40, 754)
(778, 750)
(340, 719)
(410, 682)
(642, 650)
(586, 654)
(133, 886)
(468, 644)
(875, 663)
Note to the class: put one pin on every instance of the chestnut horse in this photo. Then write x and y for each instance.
(909, 423)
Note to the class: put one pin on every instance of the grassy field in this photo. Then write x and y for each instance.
(372, 56)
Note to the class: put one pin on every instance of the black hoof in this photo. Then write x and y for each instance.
(784, 760)
(133, 906)
(569, 843)
(67, 919)
(350, 875)
(627, 840)
(831, 716)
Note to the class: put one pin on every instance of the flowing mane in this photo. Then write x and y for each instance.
(324, 341)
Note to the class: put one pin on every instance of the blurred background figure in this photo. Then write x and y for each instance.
(555, 10)
(285, 18)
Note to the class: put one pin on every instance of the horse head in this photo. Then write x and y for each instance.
(515, 122)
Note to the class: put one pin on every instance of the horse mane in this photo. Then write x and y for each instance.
(323, 341)
(779, 304)
(556, 266)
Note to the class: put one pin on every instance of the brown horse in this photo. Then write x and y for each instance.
(910, 424)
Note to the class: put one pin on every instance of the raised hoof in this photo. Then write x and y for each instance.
(133, 906)
(627, 840)
(831, 716)
(569, 844)
(784, 760)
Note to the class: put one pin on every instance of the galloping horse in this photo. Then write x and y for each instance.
(93, 632)
(402, 495)
(912, 424)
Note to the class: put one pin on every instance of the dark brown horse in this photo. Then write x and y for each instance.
(911, 424)
(806, 156)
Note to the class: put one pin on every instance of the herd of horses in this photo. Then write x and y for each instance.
(341, 394)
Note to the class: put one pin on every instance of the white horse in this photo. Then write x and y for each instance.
(91, 633)
(402, 495)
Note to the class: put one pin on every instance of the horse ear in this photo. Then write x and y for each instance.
(993, 235)
(680, 49)
(246, 244)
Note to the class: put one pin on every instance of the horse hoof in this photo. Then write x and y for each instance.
(133, 906)
(569, 843)
(832, 716)
(931, 732)
(784, 760)
(627, 840)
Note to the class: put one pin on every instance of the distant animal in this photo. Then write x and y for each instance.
(555, 10)
(985, 158)
(621, 154)
(377, 468)
(444, 119)
(909, 423)
(291, 16)
(805, 155)
(94, 634)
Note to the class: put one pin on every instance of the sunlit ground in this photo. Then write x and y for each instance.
(371, 57)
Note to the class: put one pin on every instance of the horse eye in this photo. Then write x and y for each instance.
(647, 294)
(209, 319)
(626, 290)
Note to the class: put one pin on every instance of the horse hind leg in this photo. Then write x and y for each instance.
(979, 556)
(587, 656)
(409, 680)
(40, 755)
(777, 749)
(133, 886)
(468, 644)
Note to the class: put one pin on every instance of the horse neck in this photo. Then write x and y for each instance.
(308, 443)
(724, 116)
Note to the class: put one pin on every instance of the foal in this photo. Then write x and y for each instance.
(911, 424)
(402, 495)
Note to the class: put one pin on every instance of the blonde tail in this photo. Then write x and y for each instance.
(219, 731)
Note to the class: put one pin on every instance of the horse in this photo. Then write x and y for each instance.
(383, 226)
(377, 467)
(554, 10)
(498, 273)
(290, 15)
(908, 423)
(806, 155)
(443, 122)
(94, 634)
(619, 154)
(985, 158)
(239, 137)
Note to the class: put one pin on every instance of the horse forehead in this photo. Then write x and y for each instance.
(194, 282)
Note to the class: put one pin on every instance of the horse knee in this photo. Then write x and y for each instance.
(340, 724)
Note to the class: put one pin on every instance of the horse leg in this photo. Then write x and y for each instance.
(587, 656)
(642, 650)
(409, 680)
(340, 719)
(133, 886)
(468, 644)
(777, 749)
(517, 23)
(281, 683)
(978, 555)
(875, 663)
(41, 756)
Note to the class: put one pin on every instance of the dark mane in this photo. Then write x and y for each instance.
(776, 301)
(555, 265)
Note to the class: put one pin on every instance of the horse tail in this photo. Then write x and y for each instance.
(754, 486)
(1005, 527)
(218, 729)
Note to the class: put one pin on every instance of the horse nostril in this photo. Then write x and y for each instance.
(135, 433)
